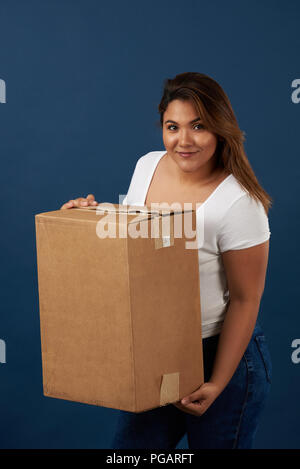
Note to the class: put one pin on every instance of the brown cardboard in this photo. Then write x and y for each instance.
(120, 317)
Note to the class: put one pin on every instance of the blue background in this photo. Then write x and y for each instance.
(84, 79)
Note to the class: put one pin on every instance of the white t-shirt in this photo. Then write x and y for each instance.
(232, 220)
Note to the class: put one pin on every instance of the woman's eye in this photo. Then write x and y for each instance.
(170, 126)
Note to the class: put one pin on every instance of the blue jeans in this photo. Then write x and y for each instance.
(230, 422)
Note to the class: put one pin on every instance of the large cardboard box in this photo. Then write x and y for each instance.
(120, 315)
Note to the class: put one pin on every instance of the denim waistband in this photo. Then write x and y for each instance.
(257, 329)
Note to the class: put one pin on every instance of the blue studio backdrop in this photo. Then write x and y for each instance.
(80, 82)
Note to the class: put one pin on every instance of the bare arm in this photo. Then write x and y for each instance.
(245, 271)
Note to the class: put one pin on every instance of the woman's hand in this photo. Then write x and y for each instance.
(199, 401)
(80, 202)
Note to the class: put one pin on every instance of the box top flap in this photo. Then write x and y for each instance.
(135, 213)
(155, 209)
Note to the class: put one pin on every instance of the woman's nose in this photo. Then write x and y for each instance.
(185, 138)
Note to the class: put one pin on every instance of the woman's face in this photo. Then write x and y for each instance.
(183, 132)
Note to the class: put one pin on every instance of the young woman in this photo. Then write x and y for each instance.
(204, 162)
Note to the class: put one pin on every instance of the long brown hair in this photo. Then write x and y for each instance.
(214, 108)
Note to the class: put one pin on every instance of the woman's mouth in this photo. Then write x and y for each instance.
(187, 154)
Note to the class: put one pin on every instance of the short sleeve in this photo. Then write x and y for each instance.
(245, 224)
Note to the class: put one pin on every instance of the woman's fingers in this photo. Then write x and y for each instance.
(80, 202)
(91, 199)
(67, 205)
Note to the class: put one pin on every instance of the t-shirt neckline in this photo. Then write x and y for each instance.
(202, 203)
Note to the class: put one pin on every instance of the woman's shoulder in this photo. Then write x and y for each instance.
(239, 198)
(150, 158)
(146, 163)
(227, 193)
(242, 220)
(143, 166)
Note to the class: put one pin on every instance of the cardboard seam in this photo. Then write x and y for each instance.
(43, 330)
(73, 221)
(63, 220)
(62, 395)
(130, 320)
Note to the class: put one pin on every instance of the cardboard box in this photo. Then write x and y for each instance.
(120, 316)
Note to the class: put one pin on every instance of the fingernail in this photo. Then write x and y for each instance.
(184, 401)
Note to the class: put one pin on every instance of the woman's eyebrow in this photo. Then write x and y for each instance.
(194, 120)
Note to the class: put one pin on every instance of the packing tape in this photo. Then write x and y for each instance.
(162, 226)
(169, 388)
(163, 231)
(120, 208)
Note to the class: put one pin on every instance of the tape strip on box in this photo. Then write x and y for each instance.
(169, 389)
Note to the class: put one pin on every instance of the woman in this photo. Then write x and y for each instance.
(205, 163)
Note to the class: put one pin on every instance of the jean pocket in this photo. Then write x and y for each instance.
(265, 355)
